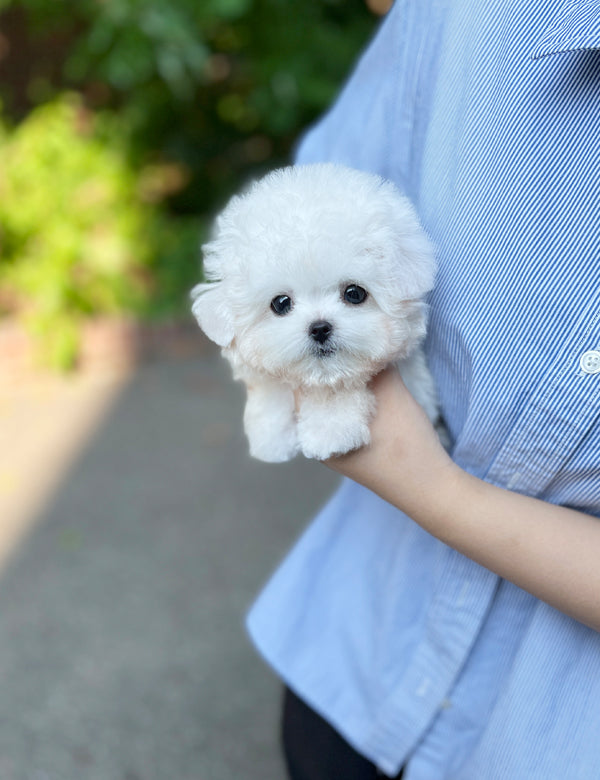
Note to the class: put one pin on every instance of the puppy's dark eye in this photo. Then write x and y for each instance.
(355, 294)
(281, 304)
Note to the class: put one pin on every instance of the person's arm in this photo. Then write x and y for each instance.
(550, 551)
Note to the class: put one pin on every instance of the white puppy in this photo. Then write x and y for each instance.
(316, 276)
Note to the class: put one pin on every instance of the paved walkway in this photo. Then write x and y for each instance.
(134, 532)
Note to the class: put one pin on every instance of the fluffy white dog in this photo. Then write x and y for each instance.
(316, 276)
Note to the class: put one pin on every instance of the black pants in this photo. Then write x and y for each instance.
(315, 751)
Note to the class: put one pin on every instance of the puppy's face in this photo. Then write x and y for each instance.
(321, 324)
(318, 272)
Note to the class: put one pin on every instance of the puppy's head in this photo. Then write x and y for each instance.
(316, 275)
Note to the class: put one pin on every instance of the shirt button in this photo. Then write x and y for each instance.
(589, 362)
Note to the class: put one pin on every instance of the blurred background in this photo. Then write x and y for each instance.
(134, 529)
(126, 123)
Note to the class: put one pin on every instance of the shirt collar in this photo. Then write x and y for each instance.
(574, 27)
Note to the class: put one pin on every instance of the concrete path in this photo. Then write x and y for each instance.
(134, 533)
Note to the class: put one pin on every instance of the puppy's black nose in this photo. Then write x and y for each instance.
(320, 331)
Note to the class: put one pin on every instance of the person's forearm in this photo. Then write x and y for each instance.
(550, 551)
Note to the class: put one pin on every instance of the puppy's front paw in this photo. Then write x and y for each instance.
(335, 426)
(321, 444)
(273, 446)
(269, 423)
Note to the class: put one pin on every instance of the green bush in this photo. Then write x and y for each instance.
(222, 87)
(76, 237)
(103, 197)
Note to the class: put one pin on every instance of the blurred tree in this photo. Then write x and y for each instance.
(221, 87)
(103, 196)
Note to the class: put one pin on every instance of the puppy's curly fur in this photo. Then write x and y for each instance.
(316, 278)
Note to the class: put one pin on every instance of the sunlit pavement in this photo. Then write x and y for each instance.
(134, 533)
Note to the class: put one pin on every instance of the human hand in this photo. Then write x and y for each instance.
(405, 462)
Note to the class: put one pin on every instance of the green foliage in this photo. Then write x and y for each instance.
(103, 197)
(222, 87)
(76, 239)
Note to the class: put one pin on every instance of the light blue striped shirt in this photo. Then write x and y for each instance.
(487, 114)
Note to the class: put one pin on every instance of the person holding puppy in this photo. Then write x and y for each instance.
(441, 615)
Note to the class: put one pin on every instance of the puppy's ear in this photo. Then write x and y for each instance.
(213, 314)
